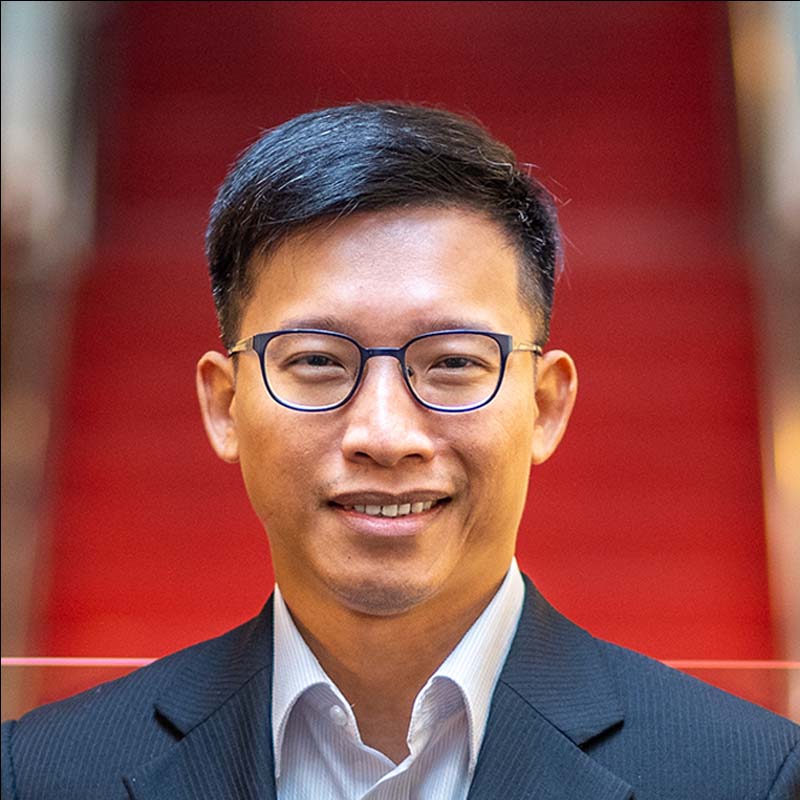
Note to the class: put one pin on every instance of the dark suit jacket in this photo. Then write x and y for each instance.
(572, 718)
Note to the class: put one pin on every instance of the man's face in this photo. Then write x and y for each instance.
(383, 278)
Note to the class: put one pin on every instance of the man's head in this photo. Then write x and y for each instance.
(329, 164)
(381, 504)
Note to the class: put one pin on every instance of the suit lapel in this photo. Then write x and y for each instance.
(218, 707)
(554, 695)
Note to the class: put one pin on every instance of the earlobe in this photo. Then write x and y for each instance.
(216, 391)
(556, 390)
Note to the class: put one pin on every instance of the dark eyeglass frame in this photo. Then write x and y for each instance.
(259, 341)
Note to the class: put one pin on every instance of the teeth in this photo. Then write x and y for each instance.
(394, 510)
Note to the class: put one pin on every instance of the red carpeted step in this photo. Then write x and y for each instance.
(646, 526)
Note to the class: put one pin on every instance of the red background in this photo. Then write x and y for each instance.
(649, 520)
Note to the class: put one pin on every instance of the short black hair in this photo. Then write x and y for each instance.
(331, 163)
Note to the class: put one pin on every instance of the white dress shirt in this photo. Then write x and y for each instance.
(317, 745)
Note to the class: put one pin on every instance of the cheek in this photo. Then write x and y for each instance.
(280, 454)
(502, 431)
(265, 450)
(496, 451)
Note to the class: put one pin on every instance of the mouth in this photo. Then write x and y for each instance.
(380, 505)
(393, 509)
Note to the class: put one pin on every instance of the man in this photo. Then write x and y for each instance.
(383, 277)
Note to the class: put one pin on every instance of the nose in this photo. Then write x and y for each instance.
(385, 424)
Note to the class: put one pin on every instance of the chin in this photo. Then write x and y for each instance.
(382, 598)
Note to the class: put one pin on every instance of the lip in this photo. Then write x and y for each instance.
(369, 525)
(380, 498)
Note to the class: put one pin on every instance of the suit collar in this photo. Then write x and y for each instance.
(216, 670)
(555, 694)
(217, 706)
(558, 668)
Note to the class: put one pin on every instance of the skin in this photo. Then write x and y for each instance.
(381, 602)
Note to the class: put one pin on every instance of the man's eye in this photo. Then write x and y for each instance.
(454, 363)
(317, 360)
(312, 361)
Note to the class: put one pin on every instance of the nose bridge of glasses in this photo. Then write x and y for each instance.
(377, 383)
(396, 353)
(392, 352)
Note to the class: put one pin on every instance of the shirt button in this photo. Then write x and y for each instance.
(338, 716)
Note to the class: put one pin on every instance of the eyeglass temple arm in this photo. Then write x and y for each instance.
(529, 347)
(241, 346)
(247, 344)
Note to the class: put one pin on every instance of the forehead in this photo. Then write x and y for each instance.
(392, 274)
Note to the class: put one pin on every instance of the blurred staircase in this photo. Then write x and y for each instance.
(647, 526)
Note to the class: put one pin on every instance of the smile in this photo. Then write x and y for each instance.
(393, 510)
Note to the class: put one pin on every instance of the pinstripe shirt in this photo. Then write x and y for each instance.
(318, 749)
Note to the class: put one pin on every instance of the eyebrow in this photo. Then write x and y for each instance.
(420, 324)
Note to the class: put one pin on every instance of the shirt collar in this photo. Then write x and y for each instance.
(477, 660)
(295, 671)
(473, 666)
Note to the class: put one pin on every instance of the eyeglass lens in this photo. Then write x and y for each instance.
(447, 370)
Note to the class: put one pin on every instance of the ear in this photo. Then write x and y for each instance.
(216, 390)
(556, 389)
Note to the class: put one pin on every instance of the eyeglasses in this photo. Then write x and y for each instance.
(316, 370)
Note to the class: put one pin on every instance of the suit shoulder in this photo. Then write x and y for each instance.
(53, 750)
(641, 677)
(126, 694)
(701, 741)
(653, 687)
(59, 749)
(143, 685)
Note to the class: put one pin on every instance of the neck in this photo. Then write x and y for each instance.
(380, 663)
